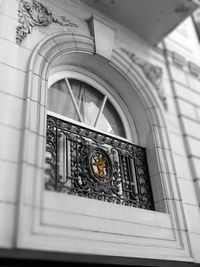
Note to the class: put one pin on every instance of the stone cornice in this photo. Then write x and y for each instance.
(32, 13)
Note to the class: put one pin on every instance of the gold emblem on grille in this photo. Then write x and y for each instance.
(99, 161)
(100, 165)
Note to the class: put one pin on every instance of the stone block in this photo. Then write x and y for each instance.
(177, 144)
(11, 110)
(12, 80)
(194, 146)
(194, 83)
(196, 166)
(192, 214)
(16, 56)
(187, 191)
(179, 75)
(191, 127)
(187, 109)
(185, 93)
(7, 224)
(9, 181)
(182, 167)
(10, 143)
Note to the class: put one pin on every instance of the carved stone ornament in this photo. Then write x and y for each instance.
(32, 13)
(152, 72)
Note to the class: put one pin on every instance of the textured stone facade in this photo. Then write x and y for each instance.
(160, 87)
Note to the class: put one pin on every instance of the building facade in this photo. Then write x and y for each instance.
(100, 126)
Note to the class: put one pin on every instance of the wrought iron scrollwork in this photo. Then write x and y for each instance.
(86, 163)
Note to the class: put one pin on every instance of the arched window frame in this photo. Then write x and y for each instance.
(125, 170)
(81, 74)
(39, 221)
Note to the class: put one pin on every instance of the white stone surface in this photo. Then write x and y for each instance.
(12, 81)
(194, 145)
(187, 109)
(182, 167)
(196, 163)
(173, 125)
(195, 241)
(7, 27)
(9, 181)
(10, 143)
(188, 193)
(191, 127)
(11, 110)
(178, 75)
(197, 109)
(187, 94)
(56, 222)
(194, 83)
(171, 105)
(192, 214)
(7, 226)
(104, 36)
(177, 144)
(42, 216)
(16, 56)
(184, 40)
(9, 8)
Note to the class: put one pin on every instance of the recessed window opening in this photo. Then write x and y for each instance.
(87, 151)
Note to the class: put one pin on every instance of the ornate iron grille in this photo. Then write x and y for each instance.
(86, 163)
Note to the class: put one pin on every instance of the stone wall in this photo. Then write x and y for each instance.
(181, 51)
(171, 71)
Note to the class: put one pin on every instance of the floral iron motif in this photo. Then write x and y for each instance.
(86, 163)
(32, 13)
(152, 72)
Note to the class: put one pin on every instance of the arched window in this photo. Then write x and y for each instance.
(69, 223)
(88, 153)
(81, 102)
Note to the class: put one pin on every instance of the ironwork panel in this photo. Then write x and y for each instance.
(86, 163)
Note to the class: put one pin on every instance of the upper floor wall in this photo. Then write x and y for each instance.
(70, 35)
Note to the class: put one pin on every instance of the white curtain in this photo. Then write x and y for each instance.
(59, 100)
(110, 121)
(88, 101)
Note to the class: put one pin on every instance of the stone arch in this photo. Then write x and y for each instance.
(147, 110)
(159, 154)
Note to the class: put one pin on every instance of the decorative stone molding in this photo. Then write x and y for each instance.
(178, 60)
(52, 221)
(194, 69)
(184, 64)
(152, 72)
(32, 13)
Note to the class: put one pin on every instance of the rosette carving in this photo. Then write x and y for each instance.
(32, 13)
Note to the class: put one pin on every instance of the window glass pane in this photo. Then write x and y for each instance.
(88, 103)
(88, 99)
(59, 100)
(110, 121)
